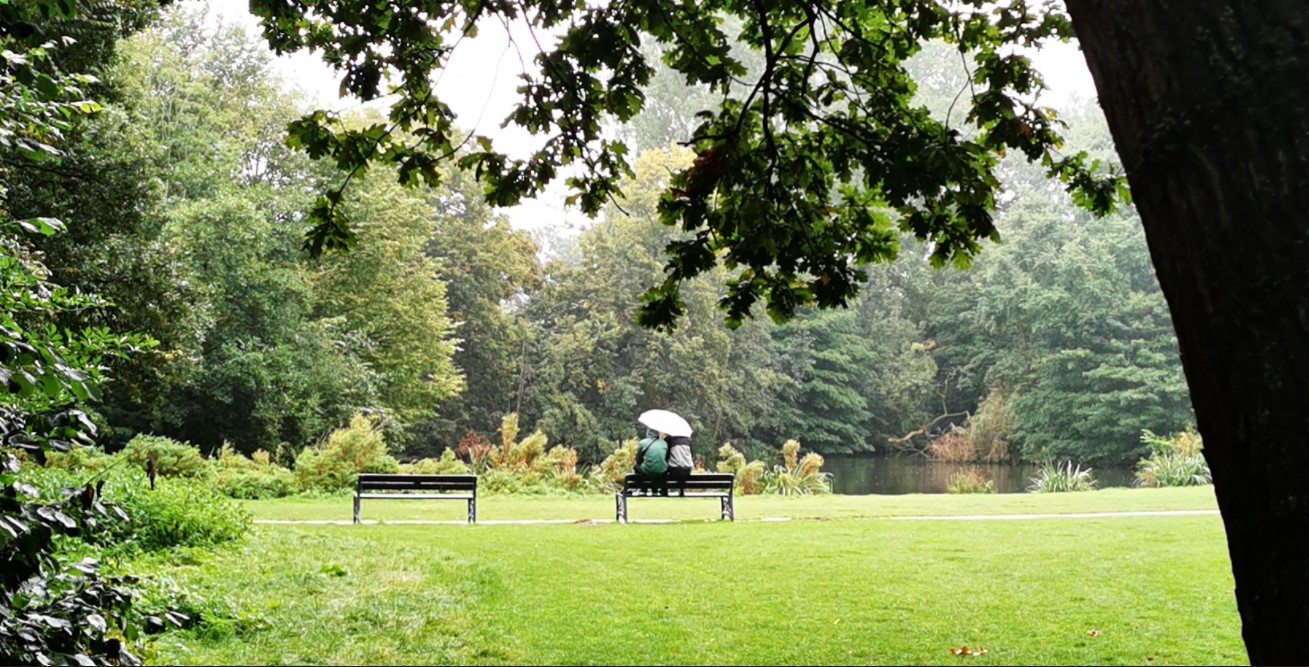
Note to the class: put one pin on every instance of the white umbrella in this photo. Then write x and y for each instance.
(668, 423)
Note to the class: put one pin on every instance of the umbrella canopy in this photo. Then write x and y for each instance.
(669, 423)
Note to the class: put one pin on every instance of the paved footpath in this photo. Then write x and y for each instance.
(972, 517)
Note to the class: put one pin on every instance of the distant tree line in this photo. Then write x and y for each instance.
(188, 211)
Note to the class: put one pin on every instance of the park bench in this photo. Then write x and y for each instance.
(707, 485)
(420, 487)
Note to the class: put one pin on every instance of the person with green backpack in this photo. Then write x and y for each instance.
(651, 457)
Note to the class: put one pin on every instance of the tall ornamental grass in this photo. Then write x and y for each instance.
(1055, 478)
(1173, 461)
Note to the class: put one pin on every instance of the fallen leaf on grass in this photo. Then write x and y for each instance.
(965, 651)
(1092, 633)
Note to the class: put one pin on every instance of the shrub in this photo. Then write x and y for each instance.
(992, 427)
(608, 476)
(349, 451)
(954, 445)
(1175, 461)
(969, 481)
(475, 449)
(525, 456)
(749, 476)
(1052, 478)
(254, 478)
(56, 608)
(448, 464)
(169, 457)
(563, 468)
(177, 513)
(89, 459)
(802, 477)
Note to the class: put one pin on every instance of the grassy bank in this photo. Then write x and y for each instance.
(1140, 590)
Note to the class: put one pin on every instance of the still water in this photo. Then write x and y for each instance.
(893, 475)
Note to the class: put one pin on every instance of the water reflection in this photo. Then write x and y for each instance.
(894, 475)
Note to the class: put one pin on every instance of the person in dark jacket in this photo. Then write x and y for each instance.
(680, 460)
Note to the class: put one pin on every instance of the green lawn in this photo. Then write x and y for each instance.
(581, 508)
(1156, 590)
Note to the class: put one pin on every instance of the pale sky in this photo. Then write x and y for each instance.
(481, 79)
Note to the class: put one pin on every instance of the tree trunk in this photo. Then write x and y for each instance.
(1208, 102)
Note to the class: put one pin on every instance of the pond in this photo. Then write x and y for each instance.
(894, 475)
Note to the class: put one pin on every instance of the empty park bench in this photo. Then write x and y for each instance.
(417, 487)
(707, 485)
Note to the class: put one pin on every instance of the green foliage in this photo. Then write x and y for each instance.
(448, 464)
(390, 296)
(797, 476)
(991, 427)
(749, 476)
(1173, 461)
(486, 266)
(969, 481)
(1053, 478)
(794, 166)
(1066, 323)
(91, 460)
(166, 457)
(53, 608)
(179, 512)
(562, 462)
(250, 478)
(526, 467)
(608, 476)
(359, 447)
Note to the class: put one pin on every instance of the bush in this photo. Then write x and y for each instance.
(251, 478)
(608, 476)
(525, 456)
(168, 457)
(357, 448)
(992, 426)
(448, 464)
(563, 468)
(749, 476)
(1175, 461)
(954, 445)
(89, 459)
(802, 477)
(1052, 478)
(969, 481)
(177, 513)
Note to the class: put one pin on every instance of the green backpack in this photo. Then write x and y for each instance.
(652, 457)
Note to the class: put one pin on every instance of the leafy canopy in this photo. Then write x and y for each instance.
(802, 172)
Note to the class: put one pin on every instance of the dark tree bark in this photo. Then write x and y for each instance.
(1208, 102)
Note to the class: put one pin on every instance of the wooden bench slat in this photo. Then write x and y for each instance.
(415, 496)
(391, 486)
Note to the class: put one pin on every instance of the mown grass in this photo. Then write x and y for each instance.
(1156, 590)
(601, 507)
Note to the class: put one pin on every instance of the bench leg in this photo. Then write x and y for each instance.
(472, 510)
(728, 513)
(620, 503)
(356, 509)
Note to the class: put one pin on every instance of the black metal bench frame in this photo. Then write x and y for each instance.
(427, 487)
(707, 485)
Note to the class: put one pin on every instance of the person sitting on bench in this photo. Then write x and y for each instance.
(680, 461)
(652, 458)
